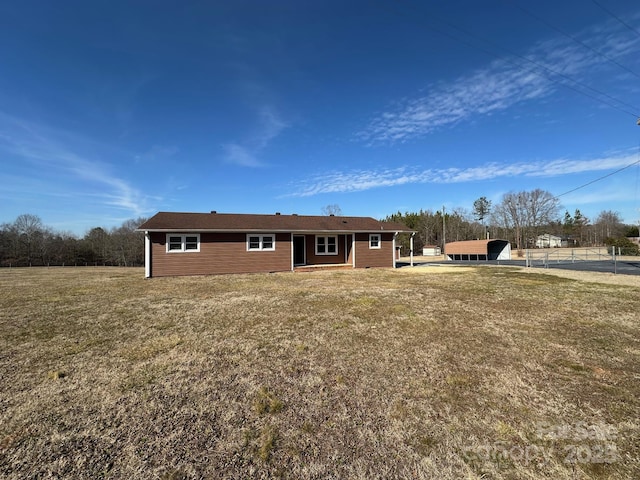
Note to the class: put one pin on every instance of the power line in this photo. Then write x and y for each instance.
(598, 179)
(637, 162)
(580, 42)
(617, 17)
(537, 64)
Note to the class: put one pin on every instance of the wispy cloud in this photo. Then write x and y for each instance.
(240, 155)
(500, 85)
(247, 153)
(157, 152)
(360, 180)
(46, 157)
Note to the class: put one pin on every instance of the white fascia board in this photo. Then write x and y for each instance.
(270, 230)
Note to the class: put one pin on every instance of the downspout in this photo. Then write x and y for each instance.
(147, 255)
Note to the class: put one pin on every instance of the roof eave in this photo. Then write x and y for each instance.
(270, 230)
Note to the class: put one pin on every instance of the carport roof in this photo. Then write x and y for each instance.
(473, 247)
(181, 221)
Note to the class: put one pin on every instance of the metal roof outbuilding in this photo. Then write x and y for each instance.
(478, 250)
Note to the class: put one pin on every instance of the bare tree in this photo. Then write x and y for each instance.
(333, 209)
(97, 242)
(27, 241)
(127, 244)
(510, 213)
(459, 225)
(608, 225)
(525, 212)
(29, 229)
(542, 206)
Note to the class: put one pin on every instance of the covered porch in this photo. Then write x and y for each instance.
(322, 250)
(311, 251)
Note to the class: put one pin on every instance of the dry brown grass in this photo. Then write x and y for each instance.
(472, 372)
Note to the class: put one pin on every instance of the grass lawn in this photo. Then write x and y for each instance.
(469, 372)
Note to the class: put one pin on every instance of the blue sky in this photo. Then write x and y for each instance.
(115, 110)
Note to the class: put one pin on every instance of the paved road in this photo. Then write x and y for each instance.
(621, 267)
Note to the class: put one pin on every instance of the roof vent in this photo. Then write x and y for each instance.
(213, 212)
(294, 214)
(331, 215)
(277, 213)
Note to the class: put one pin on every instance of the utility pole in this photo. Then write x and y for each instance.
(444, 231)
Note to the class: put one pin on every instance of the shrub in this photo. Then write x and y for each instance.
(625, 246)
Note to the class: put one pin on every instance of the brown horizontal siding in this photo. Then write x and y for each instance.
(374, 257)
(219, 253)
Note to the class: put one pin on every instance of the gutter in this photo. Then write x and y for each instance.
(262, 230)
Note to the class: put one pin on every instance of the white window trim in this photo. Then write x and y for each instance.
(371, 235)
(261, 240)
(326, 237)
(183, 242)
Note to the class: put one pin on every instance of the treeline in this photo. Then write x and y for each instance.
(28, 242)
(520, 218)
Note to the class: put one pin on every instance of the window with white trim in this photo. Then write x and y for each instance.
(374, 240)
(261, 242)
(326, 245)
(183, 242)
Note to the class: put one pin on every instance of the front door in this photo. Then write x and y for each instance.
(298, 250)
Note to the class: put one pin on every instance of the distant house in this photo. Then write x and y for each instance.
(431, 250)
(478, 250)
(552, 241)
(548, 241)
(215, 243)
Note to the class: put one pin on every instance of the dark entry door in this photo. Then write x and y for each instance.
(298, 250)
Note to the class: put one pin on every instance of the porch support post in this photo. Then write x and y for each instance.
(394, 251)
(147, 254)
(411, 248)
(353, 248)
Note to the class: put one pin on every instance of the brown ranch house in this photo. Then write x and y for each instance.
(215, 243)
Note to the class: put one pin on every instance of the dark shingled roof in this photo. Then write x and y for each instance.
(192, 222)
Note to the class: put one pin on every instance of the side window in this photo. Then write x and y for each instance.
(253, 243)
(374, 240)
(267, 242)
(180, 243)
(174, 243)
(326, 245)
(191, 243)
(260, 243)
